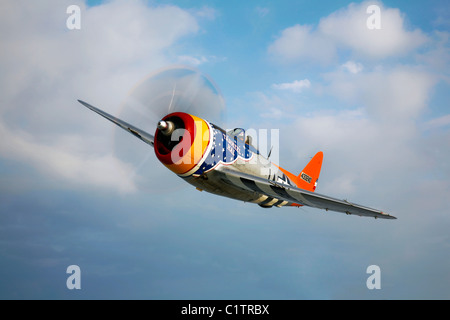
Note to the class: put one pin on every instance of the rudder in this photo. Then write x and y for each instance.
(308, 177)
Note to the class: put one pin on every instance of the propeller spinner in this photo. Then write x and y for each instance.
(169, 90)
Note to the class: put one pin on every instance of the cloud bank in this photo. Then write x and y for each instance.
(347, 30)
(46, 67)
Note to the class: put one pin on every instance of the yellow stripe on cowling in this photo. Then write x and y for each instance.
(194, 153)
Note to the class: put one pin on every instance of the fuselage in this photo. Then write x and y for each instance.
(226, 164)
(199, 150)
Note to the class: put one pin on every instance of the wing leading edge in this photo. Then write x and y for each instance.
(141, 134)
(296, 195)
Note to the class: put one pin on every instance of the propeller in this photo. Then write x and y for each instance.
(168, 90)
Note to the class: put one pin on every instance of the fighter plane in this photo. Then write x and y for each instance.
(227, 164)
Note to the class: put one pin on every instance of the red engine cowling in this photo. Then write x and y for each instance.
(182, 147)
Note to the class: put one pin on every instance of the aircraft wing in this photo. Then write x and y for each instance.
(295, 195)
(141, 134)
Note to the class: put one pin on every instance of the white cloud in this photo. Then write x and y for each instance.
(192, 60)
(206, 12)
(400, 94)
(353, 67)
(273, 113)
(46, 67)
(132, 31)
(295, 86)
(437, 57)
(437, 123)
(397, 94)
(301, 42)
(359, 151)
(347, 29)
(58, 161)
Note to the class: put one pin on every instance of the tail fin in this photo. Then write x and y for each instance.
(307, 179)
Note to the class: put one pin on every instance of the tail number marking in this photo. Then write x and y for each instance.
(305, 177)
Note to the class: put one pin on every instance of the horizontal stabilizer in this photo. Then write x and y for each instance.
(141, 134)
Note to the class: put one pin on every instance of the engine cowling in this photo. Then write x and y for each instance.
(181, 141)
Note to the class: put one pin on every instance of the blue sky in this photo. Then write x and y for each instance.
(374, 101)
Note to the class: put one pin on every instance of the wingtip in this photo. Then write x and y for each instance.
(87, 105)
(388, 216)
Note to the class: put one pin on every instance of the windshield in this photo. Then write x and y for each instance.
(237, 132)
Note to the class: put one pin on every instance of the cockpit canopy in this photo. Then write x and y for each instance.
(237, 133)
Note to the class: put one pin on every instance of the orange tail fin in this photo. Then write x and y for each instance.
(307, 179)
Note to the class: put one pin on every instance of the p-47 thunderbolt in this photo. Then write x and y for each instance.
(227, 164)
